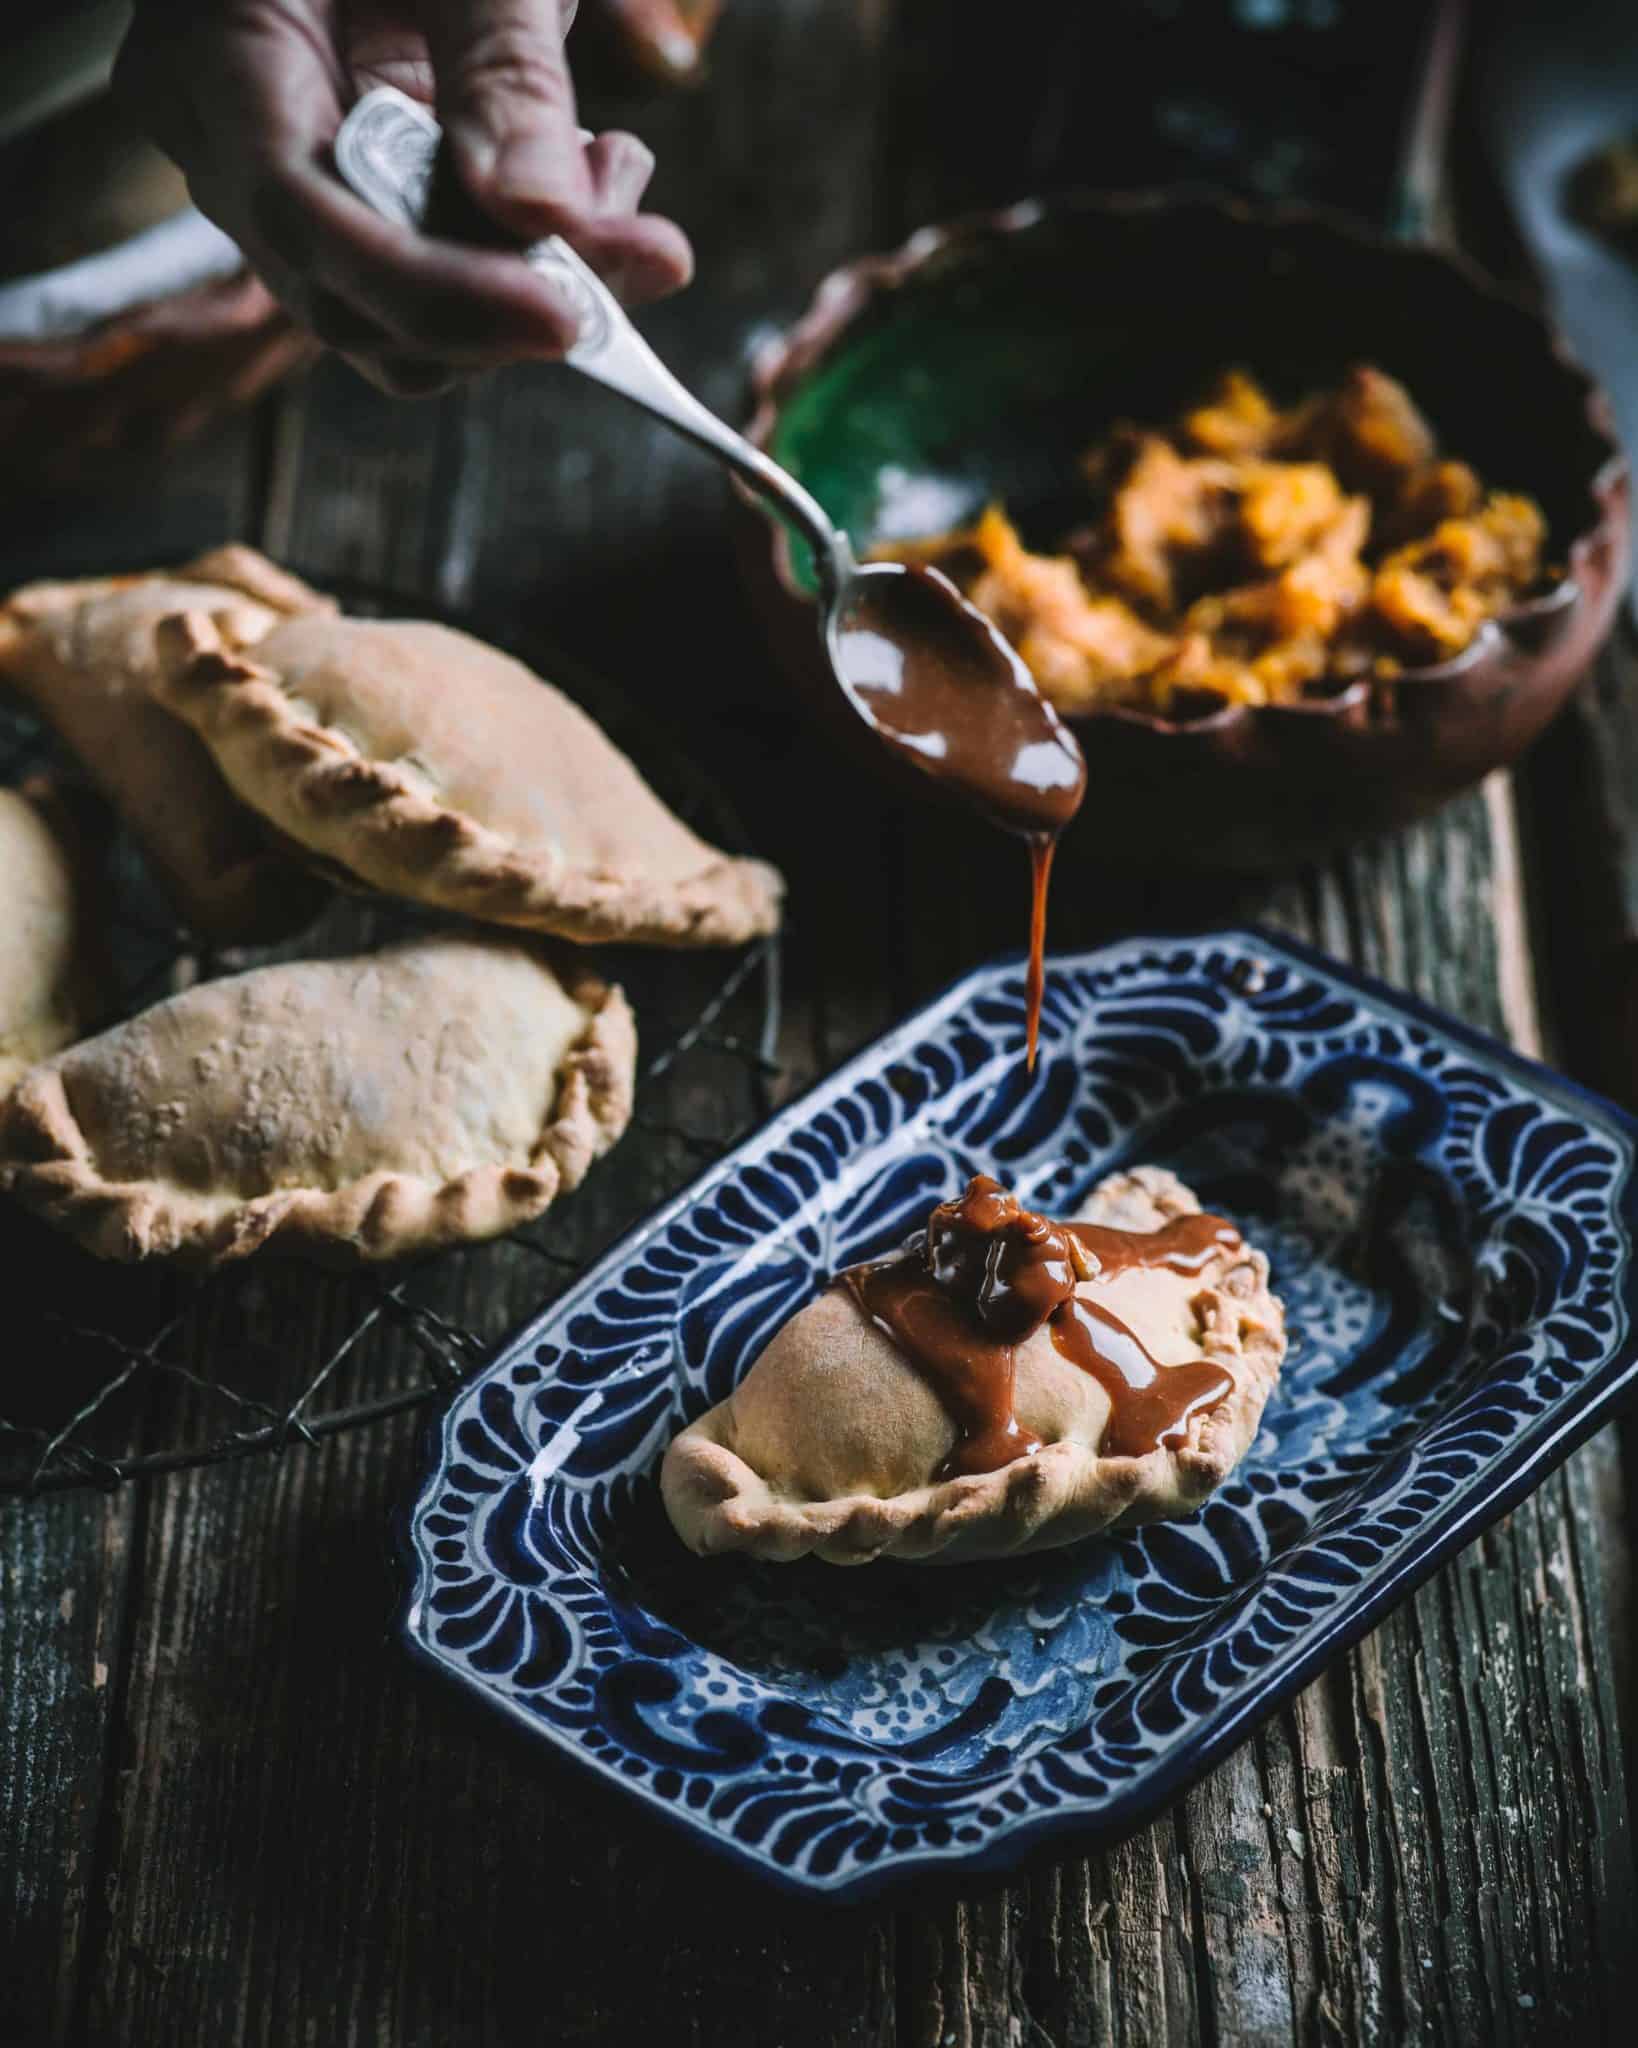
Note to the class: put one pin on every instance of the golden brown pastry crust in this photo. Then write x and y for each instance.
(53, 972)
(82, 654)
(444, 1090)
(433, 767)
(830, 1374)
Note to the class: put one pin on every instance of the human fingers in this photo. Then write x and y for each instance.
(507, 105)
(621, 166)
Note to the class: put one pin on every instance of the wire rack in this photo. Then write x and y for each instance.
(113, 1372)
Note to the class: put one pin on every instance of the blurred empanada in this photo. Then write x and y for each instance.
(51, 966)
(83, 656)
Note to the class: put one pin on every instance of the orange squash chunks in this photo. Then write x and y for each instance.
(1439, 490)
(1255, 553)
(1265, 642)
(1368, 430)
(1315, 593)
(1275, 675)
(1237, 417)
(1430, 597)
(1083, 650)
(1176, 518)
(1167, 513)
(1287, 509)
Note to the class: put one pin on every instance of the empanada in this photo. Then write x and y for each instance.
(433, 767)
(83, 656)
(1005, 1384)
(52, 973)
(442, 1090)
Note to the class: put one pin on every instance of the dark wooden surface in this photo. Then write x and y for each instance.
(230, 1807)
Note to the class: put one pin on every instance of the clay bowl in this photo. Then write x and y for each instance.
(982, 357)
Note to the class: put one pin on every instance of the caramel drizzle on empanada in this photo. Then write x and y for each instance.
(986, 1274)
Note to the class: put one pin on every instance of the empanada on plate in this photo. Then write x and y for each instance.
(433, 767)
(83, 656)
(442, 1090)
(1005, 1384)
(52, 970)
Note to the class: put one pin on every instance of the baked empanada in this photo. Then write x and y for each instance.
(1004, 1384)
(83, 656)
(433, 767)
(51, 967)
(442, 1090)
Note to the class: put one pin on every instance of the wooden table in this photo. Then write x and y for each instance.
(230, 1807)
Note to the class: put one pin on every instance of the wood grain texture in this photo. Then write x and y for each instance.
(66, 1565)
(64, 1585)
(1581, 820)
(233, 1811)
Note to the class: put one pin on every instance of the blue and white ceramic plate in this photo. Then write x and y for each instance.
(1450, 1228)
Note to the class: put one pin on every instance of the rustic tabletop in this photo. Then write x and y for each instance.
(231, 1809)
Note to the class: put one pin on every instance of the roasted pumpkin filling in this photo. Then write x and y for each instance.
(1253, 554)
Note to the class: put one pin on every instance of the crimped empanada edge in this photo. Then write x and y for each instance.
(319, 788)
(718, 1504)
(48, 1164)
(233, 565)
(264, 896)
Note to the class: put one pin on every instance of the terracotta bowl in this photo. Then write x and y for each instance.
(982, 357)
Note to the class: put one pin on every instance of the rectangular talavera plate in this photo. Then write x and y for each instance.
(1450, 1228)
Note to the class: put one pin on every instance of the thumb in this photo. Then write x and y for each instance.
(506, 102)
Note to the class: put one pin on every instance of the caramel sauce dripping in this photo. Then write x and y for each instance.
(944, 691)
(1040, 860)
(1149, 1403)
(972, 1374)
(987, 1274)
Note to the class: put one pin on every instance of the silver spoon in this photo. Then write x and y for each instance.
(1011, 755)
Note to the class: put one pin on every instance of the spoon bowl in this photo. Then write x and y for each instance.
(940, 686)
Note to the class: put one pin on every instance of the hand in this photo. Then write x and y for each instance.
(247, 95)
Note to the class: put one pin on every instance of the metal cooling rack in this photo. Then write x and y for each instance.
(111, 1372)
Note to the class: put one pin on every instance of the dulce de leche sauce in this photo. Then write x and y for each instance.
(942, 688)
(986, 1274)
